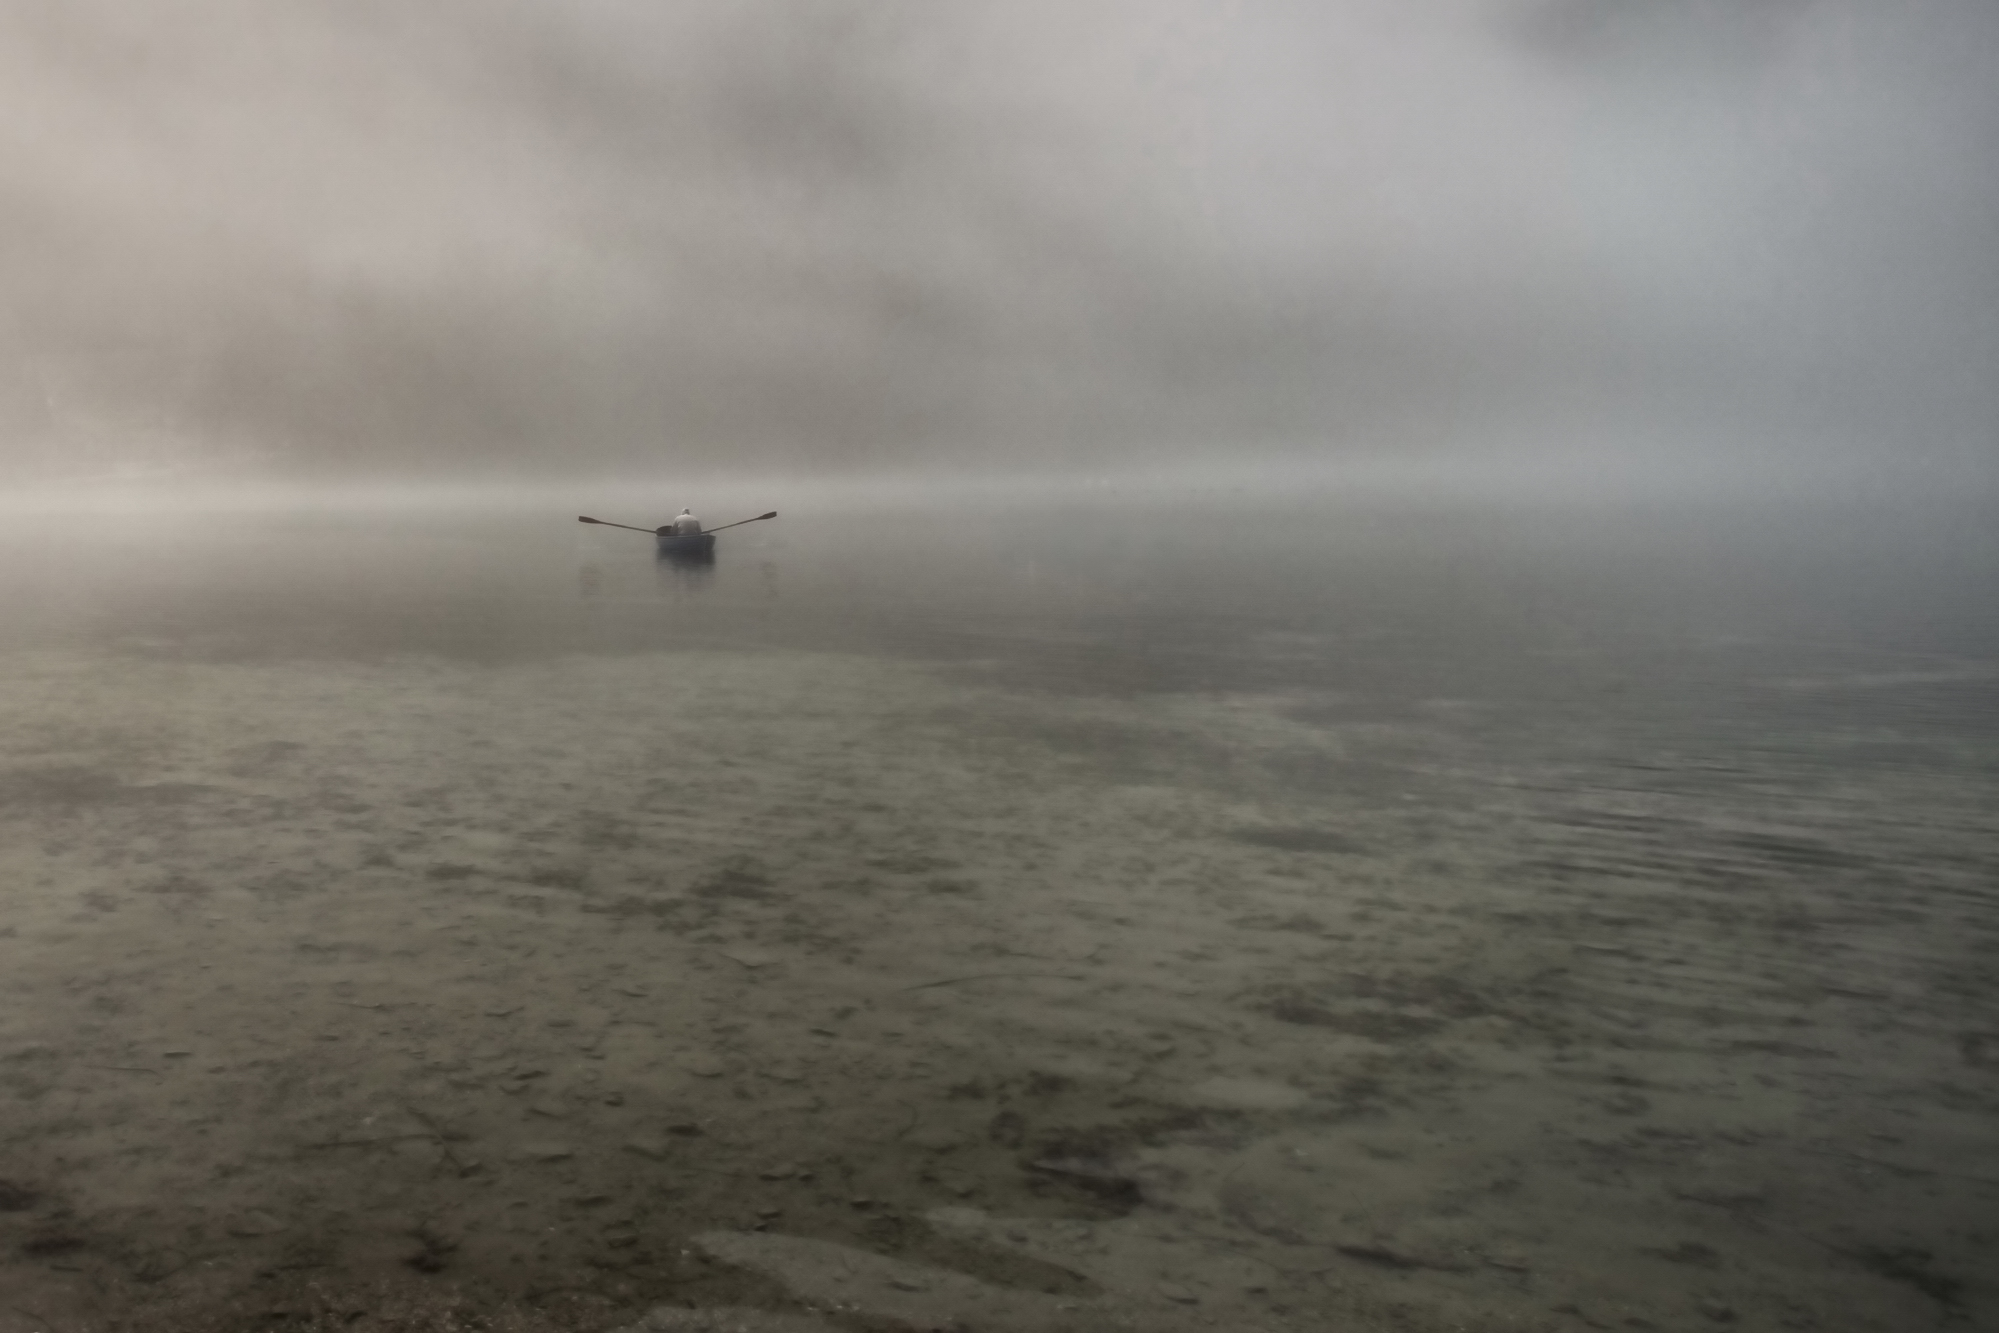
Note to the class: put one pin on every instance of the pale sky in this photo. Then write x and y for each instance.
(356, 237)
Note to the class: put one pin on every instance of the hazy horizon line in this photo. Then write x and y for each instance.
(1514, 477)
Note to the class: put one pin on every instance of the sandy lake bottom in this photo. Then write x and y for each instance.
(1019, 977)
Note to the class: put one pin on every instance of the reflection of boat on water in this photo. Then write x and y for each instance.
(692, 548)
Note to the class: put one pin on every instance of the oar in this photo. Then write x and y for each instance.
(653, 532)
(739, 522)
(603, 523)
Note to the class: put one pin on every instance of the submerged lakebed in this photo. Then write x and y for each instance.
(1100, 920)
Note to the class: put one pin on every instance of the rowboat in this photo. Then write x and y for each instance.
(680, 546)
(692, 546)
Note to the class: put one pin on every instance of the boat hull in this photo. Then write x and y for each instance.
(694, 544)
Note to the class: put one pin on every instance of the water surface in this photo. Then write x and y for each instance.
(1274, 917)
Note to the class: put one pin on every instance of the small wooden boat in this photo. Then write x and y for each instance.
(694, 544)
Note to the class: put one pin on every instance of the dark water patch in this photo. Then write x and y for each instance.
(178, 886)
(741, 879)
(29, 1072)
(1373, 1024)
(631, 905)
(1299, 839)
(1079, 1162)
(328, 951)
(1299, 923)
(1388, 1256)
(911, 864)
(1799, 852)
(1444, 995)
(596, 829)
(52, 1244)
(251, 761)
(77, 785)
(1777, 1046)
(1562, 869)
(1091, 1177)
(1911, 1266)
(1617, 822)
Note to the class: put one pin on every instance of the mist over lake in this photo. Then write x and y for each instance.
(1370, 702)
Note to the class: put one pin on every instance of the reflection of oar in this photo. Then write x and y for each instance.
(626, 526)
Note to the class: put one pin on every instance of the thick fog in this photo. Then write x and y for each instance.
(1373, 705)
(501, 238)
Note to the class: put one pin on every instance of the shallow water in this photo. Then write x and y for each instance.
(1121, 918)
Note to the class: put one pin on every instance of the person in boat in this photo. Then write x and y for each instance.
(686, 525)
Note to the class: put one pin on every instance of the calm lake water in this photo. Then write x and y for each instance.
(1467, 590)
(1091, 917)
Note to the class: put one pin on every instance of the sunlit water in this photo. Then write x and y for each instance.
(1120, 918)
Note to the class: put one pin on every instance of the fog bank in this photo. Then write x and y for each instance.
(510, 239)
